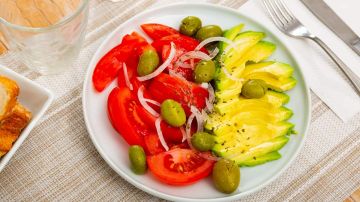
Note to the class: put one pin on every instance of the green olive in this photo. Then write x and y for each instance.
(226, 176)
(208, 31)
(254, 89)
(204, 71)
(148, 62)
(138, 159)
(202, 141)
(173, 113)
(190, 25)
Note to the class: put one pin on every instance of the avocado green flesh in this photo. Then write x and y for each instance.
(258, 160)
(230, 34)
(250, 131)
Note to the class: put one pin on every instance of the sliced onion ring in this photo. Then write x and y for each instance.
(160, 134)
(194, 55)
(214, 53)
(199, 118)
(143, 102)
(188, 130)
(183, 134)
(209, 156)
(152, 102)
(162, 67)
(126, 75)
(213, 39)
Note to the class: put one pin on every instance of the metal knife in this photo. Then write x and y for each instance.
(320, 9)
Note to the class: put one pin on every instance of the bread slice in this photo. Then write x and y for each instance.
(11, 127)
(9, 91)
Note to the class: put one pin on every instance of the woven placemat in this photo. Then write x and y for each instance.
(59, 162)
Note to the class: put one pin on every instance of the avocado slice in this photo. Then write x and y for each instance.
(244, 41)
(230, 34)
(260, 51)
(241, 153)
(258, 160)
(276, 69)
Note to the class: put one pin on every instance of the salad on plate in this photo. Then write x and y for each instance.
(197, 101)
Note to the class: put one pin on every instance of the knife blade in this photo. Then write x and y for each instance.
(322, 11)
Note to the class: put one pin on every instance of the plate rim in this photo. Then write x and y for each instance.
(165, 196)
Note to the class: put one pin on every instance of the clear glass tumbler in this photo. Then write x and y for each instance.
(47, 33)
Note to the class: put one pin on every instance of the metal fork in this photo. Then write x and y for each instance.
(290, 25)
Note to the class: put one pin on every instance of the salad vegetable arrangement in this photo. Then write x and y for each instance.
(197, 101)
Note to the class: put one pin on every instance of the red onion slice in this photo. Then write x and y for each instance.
(160, 134)
(126, 75)
(162, 67)
(143, 102)
(214, 39)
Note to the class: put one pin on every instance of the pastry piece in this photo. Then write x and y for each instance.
(11, 127)
(9, 91)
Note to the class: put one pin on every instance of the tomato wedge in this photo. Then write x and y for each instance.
(187, 73)
(157, 31)
(172, 135)
(123, 110)
(109, 65)
(185, 92)
(153, 144)
(181, 41)
(179, 166)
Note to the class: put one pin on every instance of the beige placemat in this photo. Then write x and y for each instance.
(59, 162)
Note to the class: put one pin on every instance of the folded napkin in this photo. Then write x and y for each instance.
(320, 72)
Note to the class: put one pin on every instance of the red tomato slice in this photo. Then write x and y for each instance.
(109, 65)
(181, 41)
(185, 92)
(123, 110)
(185, 72)
(179, 166)
(153, 144)
(172, 135)
(157, 31)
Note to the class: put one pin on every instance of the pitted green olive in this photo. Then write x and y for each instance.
(173, 113)
(254, 89)
(138, 159)
(148, 62)
(226, 176)
(208, 31)
(190, 25)
(202, 141)
(204, 71)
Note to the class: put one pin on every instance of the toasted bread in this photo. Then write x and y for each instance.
(9, 91)
(11, 127)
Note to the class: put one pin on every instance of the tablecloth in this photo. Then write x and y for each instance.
(58, 161)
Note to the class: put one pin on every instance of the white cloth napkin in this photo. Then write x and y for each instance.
(319, 70)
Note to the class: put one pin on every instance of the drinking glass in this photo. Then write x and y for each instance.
(48, 34)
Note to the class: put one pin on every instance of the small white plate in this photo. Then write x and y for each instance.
(115, 150)
(35, 98)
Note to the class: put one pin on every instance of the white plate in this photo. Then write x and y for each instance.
(35, 98)
(114, 149)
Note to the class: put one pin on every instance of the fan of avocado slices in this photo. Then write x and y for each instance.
(250, 131)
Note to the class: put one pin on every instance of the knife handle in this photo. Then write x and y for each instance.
(354, 79)
(356, 45)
